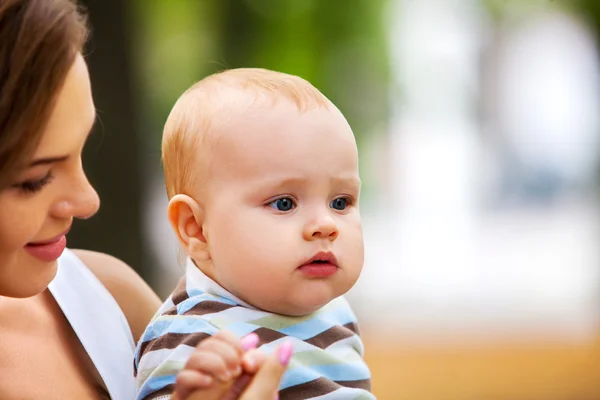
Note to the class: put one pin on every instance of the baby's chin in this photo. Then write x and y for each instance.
(299, 308)
(296, 300)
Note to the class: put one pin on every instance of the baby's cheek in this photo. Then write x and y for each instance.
(258, 285)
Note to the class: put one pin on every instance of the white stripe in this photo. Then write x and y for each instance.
(168, 304)
(345, 394)
(299, 345)
(349, 345)
(153, 359)
(235, 314)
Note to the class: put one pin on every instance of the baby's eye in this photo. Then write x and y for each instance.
(283, 204)
(339, 204)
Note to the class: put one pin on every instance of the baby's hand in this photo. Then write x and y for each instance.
(217, 361)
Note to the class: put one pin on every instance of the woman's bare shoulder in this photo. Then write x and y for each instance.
(137, 300)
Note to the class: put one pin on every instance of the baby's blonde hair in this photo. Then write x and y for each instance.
(215, 99)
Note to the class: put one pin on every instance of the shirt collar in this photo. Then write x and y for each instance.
(196, 279)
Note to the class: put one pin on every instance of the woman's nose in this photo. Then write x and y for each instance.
(81, 202)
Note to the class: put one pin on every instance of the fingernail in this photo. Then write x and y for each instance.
(284, 353)
(249, 341)
(277, 397)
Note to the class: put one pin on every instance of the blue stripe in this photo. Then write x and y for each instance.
(343, 372)
(197, 296)
(335, 372)
(179, 324)
(154, 384)
(320, 323)
(241, 329)
(297, 376)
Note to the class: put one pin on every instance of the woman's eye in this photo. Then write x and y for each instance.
(283, 204)
(339, 204)
(33, 186)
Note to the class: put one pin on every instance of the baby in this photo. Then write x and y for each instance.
(262, 175)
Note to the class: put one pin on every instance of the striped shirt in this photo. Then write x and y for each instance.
(327, 361)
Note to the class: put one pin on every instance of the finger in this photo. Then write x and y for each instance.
(216, 392)
(253, 360)
(230, 355)
(250, 341)
(229, 338)
(189, 380)
(238, 387)
(209, 362)
(265, 383)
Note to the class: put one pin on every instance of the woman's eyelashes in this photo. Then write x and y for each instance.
(34, 185)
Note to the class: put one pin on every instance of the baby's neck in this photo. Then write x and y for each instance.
(216, 288)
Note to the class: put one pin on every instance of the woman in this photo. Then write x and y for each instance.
(68, 319)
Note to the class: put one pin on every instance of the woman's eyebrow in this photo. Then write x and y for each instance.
(47, 160)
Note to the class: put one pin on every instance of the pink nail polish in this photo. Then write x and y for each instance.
(249, 341)
(284, 353)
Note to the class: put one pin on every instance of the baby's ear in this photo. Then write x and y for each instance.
(186, 217)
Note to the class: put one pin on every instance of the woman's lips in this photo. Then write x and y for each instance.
(48, 250)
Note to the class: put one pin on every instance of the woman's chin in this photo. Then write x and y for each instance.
(28, 284)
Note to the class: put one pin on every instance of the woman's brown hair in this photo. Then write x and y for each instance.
(39, 40)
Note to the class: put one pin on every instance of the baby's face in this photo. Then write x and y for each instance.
(281, 212)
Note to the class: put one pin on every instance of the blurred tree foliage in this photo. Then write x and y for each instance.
(338, 45)
(588, 10)
(112, 155)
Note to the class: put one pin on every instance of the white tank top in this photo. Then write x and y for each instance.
(98, 322)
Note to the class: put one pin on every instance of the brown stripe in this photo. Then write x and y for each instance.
(362, 384)
(165, 391)
(180, 293)
(172, 340)
(330, 336)
(353, 327)
(267, 335)
(208, 307)
(202, 308)
(171, 311)
(318, 387)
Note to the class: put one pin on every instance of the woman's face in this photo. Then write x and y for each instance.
(37, 210)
